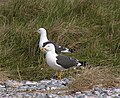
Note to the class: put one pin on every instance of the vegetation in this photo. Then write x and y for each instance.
(100, 77)
(91, 27)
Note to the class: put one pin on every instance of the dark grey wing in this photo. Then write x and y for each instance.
(66, 62)
(58, 49)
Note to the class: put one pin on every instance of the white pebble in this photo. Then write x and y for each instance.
(31, 83)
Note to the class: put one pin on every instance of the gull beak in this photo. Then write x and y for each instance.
(42, 49)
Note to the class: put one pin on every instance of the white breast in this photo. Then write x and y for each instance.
(40, 44)
(43, 39)
(51, 61)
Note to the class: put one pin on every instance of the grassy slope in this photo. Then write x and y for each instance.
(91, 27)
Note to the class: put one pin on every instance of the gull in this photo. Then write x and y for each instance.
(44, 41)
(59, 62)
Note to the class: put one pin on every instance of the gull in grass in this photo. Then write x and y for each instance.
(44, 41)
(59, 62)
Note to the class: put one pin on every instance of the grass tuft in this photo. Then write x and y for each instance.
(92, 77)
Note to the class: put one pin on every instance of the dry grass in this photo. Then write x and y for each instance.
(92, 77)
(3, 76)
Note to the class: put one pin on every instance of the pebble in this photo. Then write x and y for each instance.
(31, 83)
(43, 88)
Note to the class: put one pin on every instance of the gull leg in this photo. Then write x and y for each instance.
(59, 75)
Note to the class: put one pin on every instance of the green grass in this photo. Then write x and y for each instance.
(91, 27)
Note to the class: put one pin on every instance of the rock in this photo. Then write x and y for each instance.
(41, 87)
(28, 95)
(31, 83)
(23, 87)
(45, 81)
(78, 93)
(49, 95)
(96, 93)
(2, 89)
(53, 88)
(40, 95)
(13, 83)
(2, 86)
(21, 95)
(116, 90)
(98, 89)
(116, 97)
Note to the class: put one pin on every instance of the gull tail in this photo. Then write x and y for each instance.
(66, 50)
(81, 63)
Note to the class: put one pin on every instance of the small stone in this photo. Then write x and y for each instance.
(117, 90)
(3, 95)
(103, 95)
(2, 86)
(108, 97)
(68, 96)
(49, 95)
(47, 88)
(20, 95)
(24, 87)
(40, 87)
(10, 96)
(80, 96)
(31, 83)
(45, 81)
(28, 95)
(98, 89)
(78, 93)
(61, 92)
(2, 89)
(13, 83)
(40, 95)
(105, 92)
(116, 97)
(53, 88)
(96, 92)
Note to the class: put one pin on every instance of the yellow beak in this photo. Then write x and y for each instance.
(42, 49)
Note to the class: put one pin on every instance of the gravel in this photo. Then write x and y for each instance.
(51, 89)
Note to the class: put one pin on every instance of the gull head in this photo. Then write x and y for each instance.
(49, 47)
(41, 31)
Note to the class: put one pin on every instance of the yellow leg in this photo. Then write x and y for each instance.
(59, 75)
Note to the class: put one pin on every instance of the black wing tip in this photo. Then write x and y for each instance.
(72, 50)
(83, 63)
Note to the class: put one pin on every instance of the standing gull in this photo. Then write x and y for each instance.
(59, 62)
(44, 41)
